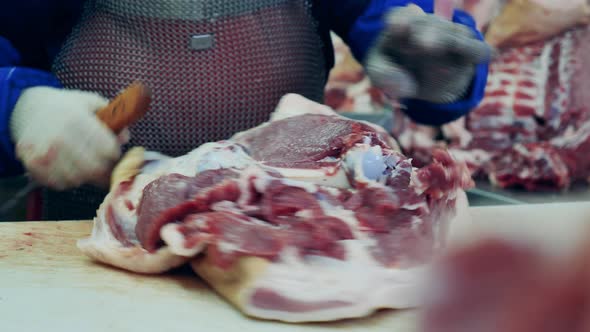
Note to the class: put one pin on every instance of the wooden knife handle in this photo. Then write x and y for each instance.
(127, 108)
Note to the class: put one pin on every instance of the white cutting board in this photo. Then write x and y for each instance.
(47, 285)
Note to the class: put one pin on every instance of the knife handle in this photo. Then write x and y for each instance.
(127, 108)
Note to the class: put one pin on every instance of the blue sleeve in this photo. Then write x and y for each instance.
(364, 33)
(13, 80)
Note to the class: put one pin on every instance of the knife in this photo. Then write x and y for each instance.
(127, 108)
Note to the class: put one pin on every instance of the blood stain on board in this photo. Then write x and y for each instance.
(33, 235)
(21, 244)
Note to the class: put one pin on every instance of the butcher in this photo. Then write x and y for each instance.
(214, 67)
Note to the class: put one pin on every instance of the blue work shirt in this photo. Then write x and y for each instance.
(33, 31)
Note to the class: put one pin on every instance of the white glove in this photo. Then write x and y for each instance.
(60, 141)
(424, 56)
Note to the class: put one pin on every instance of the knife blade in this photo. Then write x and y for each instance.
(125, 109)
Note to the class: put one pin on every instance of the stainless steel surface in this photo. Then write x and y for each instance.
(478, 197)
(577, 193)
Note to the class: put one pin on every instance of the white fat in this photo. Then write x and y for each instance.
(415, 206)
(225, 206)
(208, 156)
(474, 157)
(521, 149)
(227, 247)
(309, 187)
(327, 278)
(331, 191)
(327, 176)
(307, 214)
(261, 182)
(349, 218)
(416, 183)
(318, 279)
(416, 222)
(104, 247)
(175, 241)
(292, 105)
(572, 138)
(128, 218)
(101, 231)
(224, 158)
(212, 156)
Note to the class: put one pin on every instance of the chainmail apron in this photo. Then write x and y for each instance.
(215, 68)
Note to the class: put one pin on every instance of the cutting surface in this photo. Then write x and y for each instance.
(46, 284)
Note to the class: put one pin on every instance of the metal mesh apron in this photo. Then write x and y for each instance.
(214, 67)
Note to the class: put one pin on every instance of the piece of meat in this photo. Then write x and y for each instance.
(291, 148)
(302, 218)
(173, 196)
(335, 97)
(535, 102)
(245, 200)
(337, 145)
(499, 286)
(573, 149)
(523, 22)
(348, 88)
(532, 166)
(532, 129)
(415, 140)
(262, 228)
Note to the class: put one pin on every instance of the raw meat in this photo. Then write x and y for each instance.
(323, 157)
(416, 140)
(289, 220)
(499, 286)
(348, 88)
(532, 129)
(526, 21)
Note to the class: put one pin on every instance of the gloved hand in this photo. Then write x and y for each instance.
(60, 141)
(424, 56)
